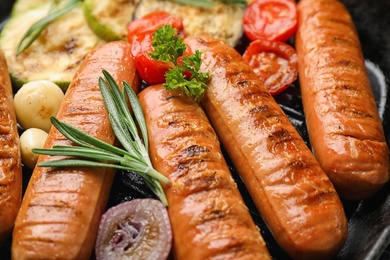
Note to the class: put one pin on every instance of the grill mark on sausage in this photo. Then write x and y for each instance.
(343, 107)
(195, 149)
(279, 139)
(192, 161)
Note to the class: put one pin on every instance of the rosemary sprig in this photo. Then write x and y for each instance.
(210, 3)
(133, 157)
(57, 9)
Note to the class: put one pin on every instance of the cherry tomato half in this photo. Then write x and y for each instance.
(276, 63)
(140, 35)
(274, 20)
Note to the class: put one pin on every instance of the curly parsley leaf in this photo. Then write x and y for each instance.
(168, 47)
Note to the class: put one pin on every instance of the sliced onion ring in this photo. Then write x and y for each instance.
(136, 229)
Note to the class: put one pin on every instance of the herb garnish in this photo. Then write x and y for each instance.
(168, 47)
(209, 3)
(133, 157)
(57, 9)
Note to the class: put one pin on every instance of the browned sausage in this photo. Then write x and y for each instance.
(293, 194)
(61, 208)
(344, 127)
(209, 219)
(10, 161)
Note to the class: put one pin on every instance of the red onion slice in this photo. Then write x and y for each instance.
(136, 229)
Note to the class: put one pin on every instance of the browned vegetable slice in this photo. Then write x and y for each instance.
(135, 229)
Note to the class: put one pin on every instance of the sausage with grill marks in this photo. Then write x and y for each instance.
(61, 208)
(209, 218)
(292, 193)
(10, 157)
(345, 130)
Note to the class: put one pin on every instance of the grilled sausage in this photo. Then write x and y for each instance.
(209, 218)
(61, 209)
(296, 199)
(10, 161)
(345, 130)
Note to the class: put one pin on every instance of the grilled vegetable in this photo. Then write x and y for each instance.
(35, 102)
(140, 35)
(52, 56)
(276, 63)
(109, 18)
(136, 229)
(22, 6)
(30, 139)
(273, 20)
(221, 20)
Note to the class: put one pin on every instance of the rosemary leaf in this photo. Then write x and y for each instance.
(138, 113)
(82, 152)
(81, 138)
(80, 163)
(120, 101)
(57, 9)
(156, 189)
(116, 118)
(96, 153)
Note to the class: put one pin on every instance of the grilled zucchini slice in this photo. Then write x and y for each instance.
(56, 54)
(109, 19)
(222, 21)
(22, 6)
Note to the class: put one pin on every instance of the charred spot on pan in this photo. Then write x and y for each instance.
(194, 150)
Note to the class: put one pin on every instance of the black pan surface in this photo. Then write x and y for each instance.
(369, 221)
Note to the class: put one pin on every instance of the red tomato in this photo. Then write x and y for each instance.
(276, 63)
(274, 20)
(140, 35)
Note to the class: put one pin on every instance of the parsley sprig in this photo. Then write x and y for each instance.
(169, 47)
